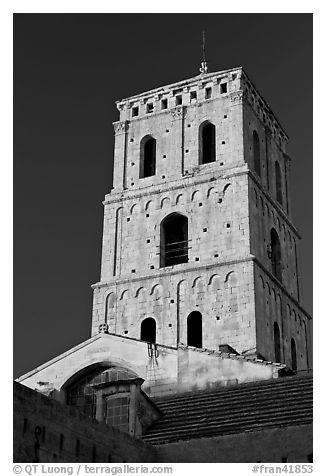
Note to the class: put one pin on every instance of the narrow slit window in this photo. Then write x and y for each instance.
(164, 104)
(256, 147)
(278, 183)
(276, 257)
(77, 451)
(61, 442)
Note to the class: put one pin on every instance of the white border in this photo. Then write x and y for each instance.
(98, 6)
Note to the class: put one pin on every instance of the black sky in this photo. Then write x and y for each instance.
(69, 69)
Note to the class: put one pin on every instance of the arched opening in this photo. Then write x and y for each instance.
(276, 255)
(277, 343)
(278, 183)
(207, 147)
(147, 157)
(81, 391)
(256, 147)
(194, 329)
(293, 355)
(148, 330)
(174, 240)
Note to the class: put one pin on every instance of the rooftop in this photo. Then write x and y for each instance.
(236, 79)
(185, 82)
(241, 408)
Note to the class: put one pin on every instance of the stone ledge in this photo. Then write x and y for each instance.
(170, 272)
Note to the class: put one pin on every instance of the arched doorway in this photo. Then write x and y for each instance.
(194, 329)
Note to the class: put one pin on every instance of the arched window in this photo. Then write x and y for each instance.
(278, 183)
(82, 391)
(277, 343)
(293, 355)
(147, 157)
(207, 148)
(276, 255)
(194, 329)
(173, 240)
(256, 147)
(148, 330)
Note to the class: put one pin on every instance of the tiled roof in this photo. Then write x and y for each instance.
(241, 408)
(229, 355)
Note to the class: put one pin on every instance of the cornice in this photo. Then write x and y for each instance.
(209, 177)
(168, 271)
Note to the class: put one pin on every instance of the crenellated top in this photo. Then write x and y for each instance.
(171, 98)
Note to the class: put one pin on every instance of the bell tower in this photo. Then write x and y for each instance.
(198, 244)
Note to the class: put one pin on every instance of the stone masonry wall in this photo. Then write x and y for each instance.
(275, 301)
(277, 445)
(217, 280)
(263, 217)
(47, 431)
(175, 127)
(230, 209)
(273, 304)
(218, 225)
(223, 294)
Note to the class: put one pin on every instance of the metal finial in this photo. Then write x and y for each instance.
(204, 58)
(203, 65)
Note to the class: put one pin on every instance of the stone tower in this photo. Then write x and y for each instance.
(198, 244)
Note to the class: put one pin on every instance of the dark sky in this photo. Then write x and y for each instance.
(68, 71)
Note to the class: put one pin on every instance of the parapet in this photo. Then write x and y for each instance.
(196, 90)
